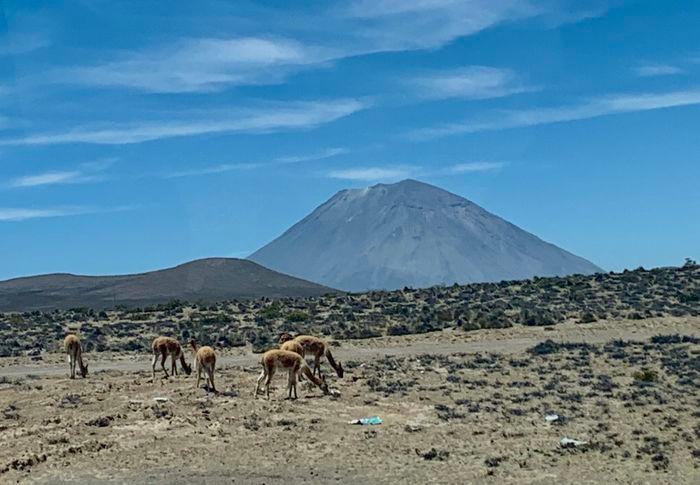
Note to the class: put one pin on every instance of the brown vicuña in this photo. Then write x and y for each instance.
(204, 360)
(294, 364)
(164, 347)
(75, 355)
(311, 346)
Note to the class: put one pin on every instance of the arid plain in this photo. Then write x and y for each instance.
(456, 406)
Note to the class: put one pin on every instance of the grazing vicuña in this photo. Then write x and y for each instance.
(316, 347)
(75, 355)
(164, 347)
(204, 360)
(294, 364)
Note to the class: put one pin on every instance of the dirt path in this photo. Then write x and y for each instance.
(501, 341)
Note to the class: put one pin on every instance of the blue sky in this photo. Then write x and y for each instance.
(139, 135)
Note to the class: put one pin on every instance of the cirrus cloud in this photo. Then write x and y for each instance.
(284, 117)
(592, 108)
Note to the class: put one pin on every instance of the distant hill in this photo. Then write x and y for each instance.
(208, 280)
(411, 234)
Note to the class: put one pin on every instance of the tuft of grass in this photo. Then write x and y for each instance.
(646, 375)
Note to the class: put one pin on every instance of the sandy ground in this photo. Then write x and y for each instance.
(457, 407)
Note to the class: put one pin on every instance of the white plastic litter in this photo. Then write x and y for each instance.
(160, 399)
(551, 417)
(571, 443)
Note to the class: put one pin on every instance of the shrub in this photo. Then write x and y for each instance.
(587, 317)
(297, 316)
(271, 312)
(467, 325)
(645, 375)
(399, 329)
(538, 317)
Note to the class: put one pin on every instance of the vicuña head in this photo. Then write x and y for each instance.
(285, 337)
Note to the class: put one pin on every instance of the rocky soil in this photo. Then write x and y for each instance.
(490, 406)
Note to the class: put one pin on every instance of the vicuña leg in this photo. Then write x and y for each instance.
(270, 373)
(259, 381)
(153, 365)
(317, 365)
(163, 357)
(210, 371)
(292, 383)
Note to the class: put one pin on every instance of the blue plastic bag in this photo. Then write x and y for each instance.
(365, 421)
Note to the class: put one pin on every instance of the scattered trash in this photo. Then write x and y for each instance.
(366, 421)
(160, 399)
(551, 417)
(572, 443)
(335, 392)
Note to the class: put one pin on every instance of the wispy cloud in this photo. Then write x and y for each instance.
(374, 173)
(87, 172)
(473, 167)
(607, 105)
(472, 82)
(345, 30)
(398, 25)
(358, 28)
(395, 25)
(397, 172)
(13, 44)
(47, 178)
(230, 167)
(652, 70)
(14, 214)
(290, 116)
(201, 65)
(327, 153)
(214, 169)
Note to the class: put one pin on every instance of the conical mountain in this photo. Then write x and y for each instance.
(411, 234)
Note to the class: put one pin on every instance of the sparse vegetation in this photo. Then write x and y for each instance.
(637, 294)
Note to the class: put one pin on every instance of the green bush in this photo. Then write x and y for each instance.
(271, 312)
(297, 316)
(645, 375)
(587, 317)
(398, 329)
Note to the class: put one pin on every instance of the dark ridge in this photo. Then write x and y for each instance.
(204, 280)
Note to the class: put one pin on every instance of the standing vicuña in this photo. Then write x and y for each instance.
(164, 347)
(293, 363)
(204, 359)
(312, 346)
(75, 355)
